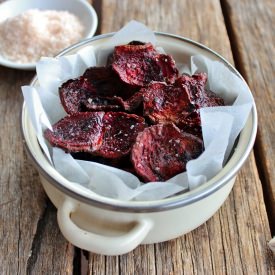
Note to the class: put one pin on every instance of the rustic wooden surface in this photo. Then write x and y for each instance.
(234, 240)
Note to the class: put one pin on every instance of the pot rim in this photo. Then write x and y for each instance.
(157, 205)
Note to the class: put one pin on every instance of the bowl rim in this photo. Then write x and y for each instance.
(31, 65)
(156, 205)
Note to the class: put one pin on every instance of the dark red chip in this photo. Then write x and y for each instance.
(103, 79)
(133, 102)
(73, 92)
(147, 49)
(81, 132)
(167, 67)
(99, 103)
(164, 103)
(99, 89)
(199, 95)
(162, 151)
(191, 124)
(107, 83)
(210, 99)
(138, 64)
(179, 102)
(120, 132)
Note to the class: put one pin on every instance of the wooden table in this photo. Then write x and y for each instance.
(234, 240)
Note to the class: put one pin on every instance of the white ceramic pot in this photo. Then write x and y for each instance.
(112, 227)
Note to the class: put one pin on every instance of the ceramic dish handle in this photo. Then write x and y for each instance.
(107, 245)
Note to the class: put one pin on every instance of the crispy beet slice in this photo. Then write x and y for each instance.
(78, 95)
(162, 151)
(96, 103)
(135, 46)
(133, 102)
(120, 132)
(96, 90)
(103, 79)
(73, 92)
(138, 64)
(135, 64)
(179, 102)
(110, 58)
(210, 99)
(191, 124)
(107, 83)
(166, 103)
(199, 95)
(168, 67)
(99, 103)
(81, 132)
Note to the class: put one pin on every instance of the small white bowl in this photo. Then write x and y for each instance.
(81, 8)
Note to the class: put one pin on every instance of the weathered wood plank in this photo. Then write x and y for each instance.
(252, 30)
(22, 199)
(51, 253)
(234, 240)
(185, 18)
(139, 261)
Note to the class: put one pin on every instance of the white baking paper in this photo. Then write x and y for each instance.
(220, 125)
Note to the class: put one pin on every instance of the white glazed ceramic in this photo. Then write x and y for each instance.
(112, 227)
(81, 8)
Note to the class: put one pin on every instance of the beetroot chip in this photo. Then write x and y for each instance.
(210, 99)
(120, 132)
(162, 151)
(166, 103)
(99, 103)
(73, 93)
(103, 79)
(138, 64)
(199, 95)
(81, 132)
(179, 102)
(133, 102)
(96, 90)
(107, 83)
(167, 67)
(110, 58)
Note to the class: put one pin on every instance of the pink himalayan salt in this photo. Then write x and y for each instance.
(35, 33)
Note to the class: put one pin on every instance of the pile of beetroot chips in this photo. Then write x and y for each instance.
(137, 113)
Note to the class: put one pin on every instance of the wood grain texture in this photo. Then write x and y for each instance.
(252, 30)
(177, 17)
(234, 240)
(22, 199)
(51, 253)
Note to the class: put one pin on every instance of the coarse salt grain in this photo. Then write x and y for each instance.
(35, 33)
